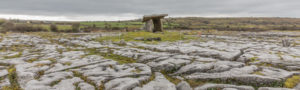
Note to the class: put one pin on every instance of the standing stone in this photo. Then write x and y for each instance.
(148, 26)
(156, 19)
(157, 25)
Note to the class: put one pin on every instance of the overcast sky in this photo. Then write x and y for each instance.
(81, 10)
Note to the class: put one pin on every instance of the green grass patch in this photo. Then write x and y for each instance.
(32, 60)
(152, 77)
(51, 35)
(55, 82)
(121, 24)
(13, 79)
(85, 78)
(292, 81)
(59, 27)
(67, 63)
(266, 64)
(77, 86)
(16, 48)
(110, 55)
(14, 56)
(130, 36)
(171, 79)
(254, 59)
(64, 27)
(39, 74)
(258, 73)
(53, 60)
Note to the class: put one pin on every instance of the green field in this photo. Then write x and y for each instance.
(113, 25)
(59, 27)
(236, 24)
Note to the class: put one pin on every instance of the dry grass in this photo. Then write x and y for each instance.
(171, 79)
(152, 77)
(258, 73)
(86, 79)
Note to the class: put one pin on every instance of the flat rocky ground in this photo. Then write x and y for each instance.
(248, 61)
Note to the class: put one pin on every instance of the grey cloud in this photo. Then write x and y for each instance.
(81, 8)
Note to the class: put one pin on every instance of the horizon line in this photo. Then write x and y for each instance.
(136, 18)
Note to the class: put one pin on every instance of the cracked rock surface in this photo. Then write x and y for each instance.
(244, 62)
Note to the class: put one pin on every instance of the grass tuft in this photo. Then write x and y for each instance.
(14, 56)
(13, 79)
(67, 63)
(39, 74)
(292, 81)
(32, 60)
(55, 82)
(254, 59)
(77, 86)
(171, 79)
(152, 77)
(85, 78)
(258, 73)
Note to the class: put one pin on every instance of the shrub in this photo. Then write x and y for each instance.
(53, 28)
(22, 27)
(8, 26)
(75, 27)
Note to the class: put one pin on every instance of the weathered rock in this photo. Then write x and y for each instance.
(124, 83)
(213, 67)
(4, 82)
(242, 75)
(46, 80)
(45, 65)
(223, 86)
(183, 86)
(3, 73)
(159, 83)
(85, 86)
(67, 84)
(270, 88)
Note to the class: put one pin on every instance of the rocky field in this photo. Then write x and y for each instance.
(248, 61)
